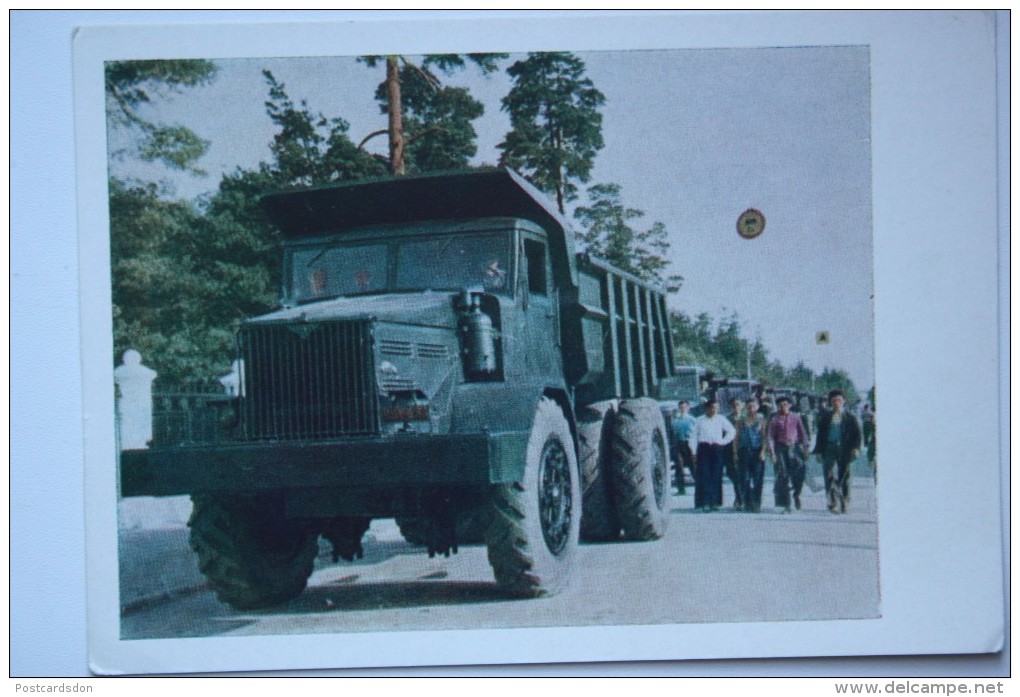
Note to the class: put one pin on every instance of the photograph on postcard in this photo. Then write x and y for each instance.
(494, 340)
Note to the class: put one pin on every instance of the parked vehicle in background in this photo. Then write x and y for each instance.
(735, 388)
(690, 382)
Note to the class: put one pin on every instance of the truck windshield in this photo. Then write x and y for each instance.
(322, 273)
(454, 262)
(442, 262)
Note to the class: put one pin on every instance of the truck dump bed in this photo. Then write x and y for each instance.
(617, 339)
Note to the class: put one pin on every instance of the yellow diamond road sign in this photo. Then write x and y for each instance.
(822, 338)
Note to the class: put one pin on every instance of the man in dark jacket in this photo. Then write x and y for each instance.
(837, 445)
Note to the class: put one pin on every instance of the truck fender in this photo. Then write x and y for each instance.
(506, 409)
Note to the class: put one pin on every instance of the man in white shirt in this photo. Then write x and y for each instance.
(709, 438)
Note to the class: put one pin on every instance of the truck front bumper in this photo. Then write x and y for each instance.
(399, 461)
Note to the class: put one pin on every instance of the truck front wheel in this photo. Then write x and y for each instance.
(251, 555)
(641, 469)
(532, 539)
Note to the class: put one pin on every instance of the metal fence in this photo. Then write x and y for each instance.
(191, 414)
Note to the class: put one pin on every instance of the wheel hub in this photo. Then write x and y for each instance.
(555, 496)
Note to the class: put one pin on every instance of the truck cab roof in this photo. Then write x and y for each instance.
(475, 194)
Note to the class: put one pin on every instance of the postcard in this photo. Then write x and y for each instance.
(536, 339)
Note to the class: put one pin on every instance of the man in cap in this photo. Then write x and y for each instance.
(786, 433)
(838, 444)
(710, 437)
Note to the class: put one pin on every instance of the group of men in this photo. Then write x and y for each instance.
(712, 445)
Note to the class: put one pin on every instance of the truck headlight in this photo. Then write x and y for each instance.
(404, 411)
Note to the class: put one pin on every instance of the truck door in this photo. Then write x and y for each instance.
(541, 310)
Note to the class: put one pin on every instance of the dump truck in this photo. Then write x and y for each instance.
(441, 356)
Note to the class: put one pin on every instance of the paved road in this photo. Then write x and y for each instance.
(710, 567)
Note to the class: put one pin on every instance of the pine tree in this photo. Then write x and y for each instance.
(607, 233)
(556, 127)
(429, 125)
(131, 85)
(309, 148)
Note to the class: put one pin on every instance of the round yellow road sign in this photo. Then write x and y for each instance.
(750, 224)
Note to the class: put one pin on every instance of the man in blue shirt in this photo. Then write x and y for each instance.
(683, 424)
(749, 445)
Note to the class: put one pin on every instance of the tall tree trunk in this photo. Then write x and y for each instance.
(396, 116)
(560, 195)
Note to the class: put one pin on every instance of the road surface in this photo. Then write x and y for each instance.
(725, 566)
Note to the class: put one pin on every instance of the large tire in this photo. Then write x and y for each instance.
(641, 470)
(252, 556)
(599, 522)
(470, 528)
(532, 540)
(415, 531)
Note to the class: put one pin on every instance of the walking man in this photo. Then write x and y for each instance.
(750, 446)
(868, 429)
(838, 444)
(785, 434)
(710, 438)
(799, 475)
(730, 459)
(683, 426)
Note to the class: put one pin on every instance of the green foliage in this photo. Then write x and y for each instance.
(309, 148)
(437, 129)
(692, 341)
(134, 84)
(832, 379)
(447, 62)
(182, 282)
(185, 276)
(434, 130)
(607, 233)
(556, 127)
(724, 352)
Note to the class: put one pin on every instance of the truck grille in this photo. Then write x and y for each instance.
(308, 380)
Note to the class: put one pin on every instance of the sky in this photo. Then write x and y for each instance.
(693, 137)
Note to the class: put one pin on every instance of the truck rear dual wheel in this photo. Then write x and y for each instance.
(252, 556)
(599, 522)
(641, 469)
(532, 539)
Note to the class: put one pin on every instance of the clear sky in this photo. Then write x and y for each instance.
(694, 138)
